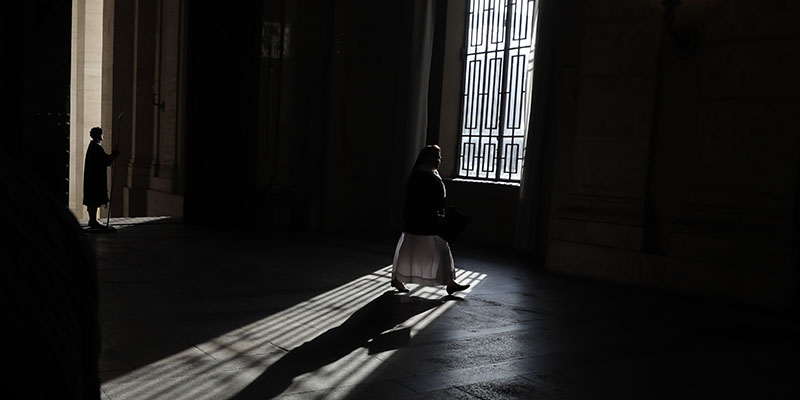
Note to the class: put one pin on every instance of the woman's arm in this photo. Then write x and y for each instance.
(109, 158)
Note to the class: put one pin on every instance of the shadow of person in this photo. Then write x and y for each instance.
(362, 329)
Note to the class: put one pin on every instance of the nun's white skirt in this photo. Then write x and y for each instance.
(423, 259)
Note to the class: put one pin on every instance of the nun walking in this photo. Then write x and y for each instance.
(422, 256)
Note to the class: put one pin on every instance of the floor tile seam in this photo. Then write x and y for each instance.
(326, 323)
(471, 336)
(462, 390)
(471, 312)
(398, 383)
(541, 311)
(188, 376)
(107, 396)
(387, 362)
(195, 360)
(239, 337)
(204, 352)
(520, 376)
(545, 384)
(150, 368)
(461, 371)
(126, 360)
(245, 353)
(502, 365)
(326, 389)
(105, 340)
(489, 298)
(116, 372)
(212, 364)
(183, 375)
(279, 346)
(180, 383)
(420, 341)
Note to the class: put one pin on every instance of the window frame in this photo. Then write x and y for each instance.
(497, 177)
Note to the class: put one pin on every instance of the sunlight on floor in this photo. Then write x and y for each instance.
(125, 222)
(222, 367)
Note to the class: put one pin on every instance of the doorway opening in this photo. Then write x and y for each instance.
(86, 94)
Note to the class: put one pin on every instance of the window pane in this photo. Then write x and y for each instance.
(496, 99)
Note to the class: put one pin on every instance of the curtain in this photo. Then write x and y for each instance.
(414, 114)
(419, 78)
(530, 196)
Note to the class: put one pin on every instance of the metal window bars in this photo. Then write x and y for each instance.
(498, 75)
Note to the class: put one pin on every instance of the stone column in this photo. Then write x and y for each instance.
(117, 91)
(598, 229)
(140, 164)
(165, 193)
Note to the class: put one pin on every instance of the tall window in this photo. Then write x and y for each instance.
(498, 72)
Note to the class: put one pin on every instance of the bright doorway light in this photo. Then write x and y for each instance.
(85, 92)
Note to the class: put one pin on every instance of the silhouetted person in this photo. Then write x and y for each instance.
(95, 186)
(422, 256)
(48, 285)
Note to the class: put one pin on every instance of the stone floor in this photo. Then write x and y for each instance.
(196, 313)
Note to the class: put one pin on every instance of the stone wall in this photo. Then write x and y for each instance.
(683, 164)
(144, 50)
(670, 156)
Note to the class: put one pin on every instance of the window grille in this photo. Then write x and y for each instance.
(498, 72)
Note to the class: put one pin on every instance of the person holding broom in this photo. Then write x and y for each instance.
(95, 186)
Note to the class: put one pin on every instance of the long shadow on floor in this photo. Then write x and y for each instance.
(363, 329)
(166, 286)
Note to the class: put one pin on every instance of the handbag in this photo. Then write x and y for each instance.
(454, 224)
